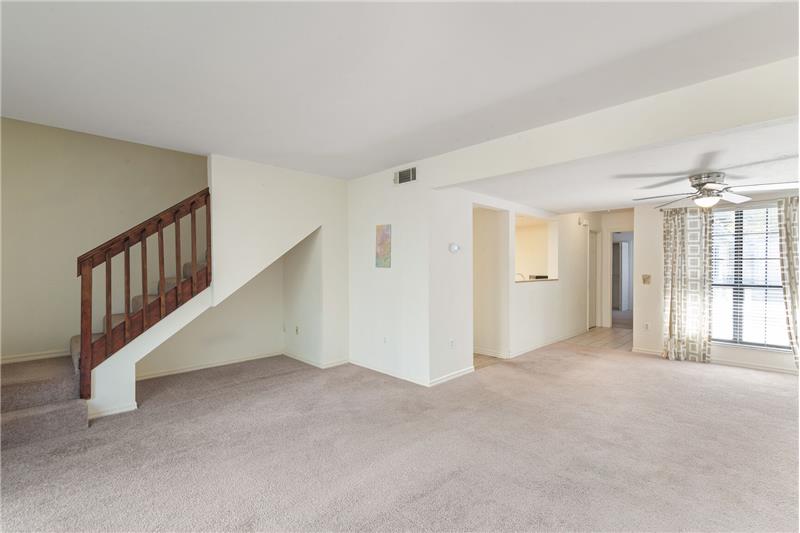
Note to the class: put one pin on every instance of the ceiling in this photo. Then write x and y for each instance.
(349, 89)
(595, 183)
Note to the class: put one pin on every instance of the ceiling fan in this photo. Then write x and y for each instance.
(709, 185)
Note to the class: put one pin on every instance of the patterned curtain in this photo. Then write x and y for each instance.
(787, 224)
(687, 284)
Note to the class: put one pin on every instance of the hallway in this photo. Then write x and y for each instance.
(616, 338)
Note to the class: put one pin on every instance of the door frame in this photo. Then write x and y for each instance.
(608, 240)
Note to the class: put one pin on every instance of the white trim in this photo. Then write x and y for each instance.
(192, 368)
(753, 366)
(490, 352)
(33, 356)
(307, 361)
(112, 410)
(415, 381)
(452, 375)
(647, 351)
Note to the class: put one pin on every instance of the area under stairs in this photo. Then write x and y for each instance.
(47, 398)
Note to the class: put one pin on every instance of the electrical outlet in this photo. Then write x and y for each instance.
(452, 343)
(297, 330)
(646, 326)
(384, 340)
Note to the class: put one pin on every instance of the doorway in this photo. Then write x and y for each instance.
(490, 285)
(622, 280)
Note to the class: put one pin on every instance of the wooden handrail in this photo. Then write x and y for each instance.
(95, 350)
(116, 245)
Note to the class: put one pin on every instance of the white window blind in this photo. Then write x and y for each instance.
(747, 296)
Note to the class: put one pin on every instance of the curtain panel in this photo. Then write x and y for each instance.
(790, 270)
(687, 284)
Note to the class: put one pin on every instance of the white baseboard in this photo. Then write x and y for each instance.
(452, 375)
(191, 368)
(647, 351)
(753, 366)
(112, 410)
(415, 381)
(307, 361)
(491, 353)
(33, 356)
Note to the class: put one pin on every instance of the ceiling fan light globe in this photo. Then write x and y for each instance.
(706, 201)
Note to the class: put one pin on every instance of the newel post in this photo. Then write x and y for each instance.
(86, 329)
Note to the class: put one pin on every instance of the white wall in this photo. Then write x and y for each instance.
(490, 281)
(259, 213)
(245, 326)
(648, 300)
(389, 312)
(65, 193)
(302, 299)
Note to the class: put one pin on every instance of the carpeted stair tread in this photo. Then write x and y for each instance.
(43, 422)
(136, 301)
(116, 319)
(75, 349)
(35, 383)
(187, 268)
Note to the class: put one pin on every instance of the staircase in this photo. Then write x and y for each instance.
(46, 398)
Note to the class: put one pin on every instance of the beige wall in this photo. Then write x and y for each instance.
(532, 250)
(64, 193)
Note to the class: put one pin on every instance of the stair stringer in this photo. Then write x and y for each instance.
(114, 380)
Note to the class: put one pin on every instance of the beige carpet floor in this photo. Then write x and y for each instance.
(565, 438)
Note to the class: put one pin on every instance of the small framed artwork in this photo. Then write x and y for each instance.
(383, 246)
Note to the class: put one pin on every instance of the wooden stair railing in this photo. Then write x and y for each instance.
(94, 352)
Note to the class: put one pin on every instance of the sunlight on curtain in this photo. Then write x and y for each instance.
(687, 284)
(790, 270)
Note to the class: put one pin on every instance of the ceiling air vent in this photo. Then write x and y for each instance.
(404, 176)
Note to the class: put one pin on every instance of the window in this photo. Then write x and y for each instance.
(536, 245)
(747, 291)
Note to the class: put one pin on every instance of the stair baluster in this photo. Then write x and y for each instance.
(194, 248)
(86, 328)
(162, 280)
(208, 239)
(145, 289)
(95, 348)
(127, 290)
(109, 328)
(178, 266)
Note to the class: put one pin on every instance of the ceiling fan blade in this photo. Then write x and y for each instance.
(654, 175)
(761, 162)
(663, 196)
(663, 183)
(766, 186)
(706, 161)
(675, 201)
(734, 198)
